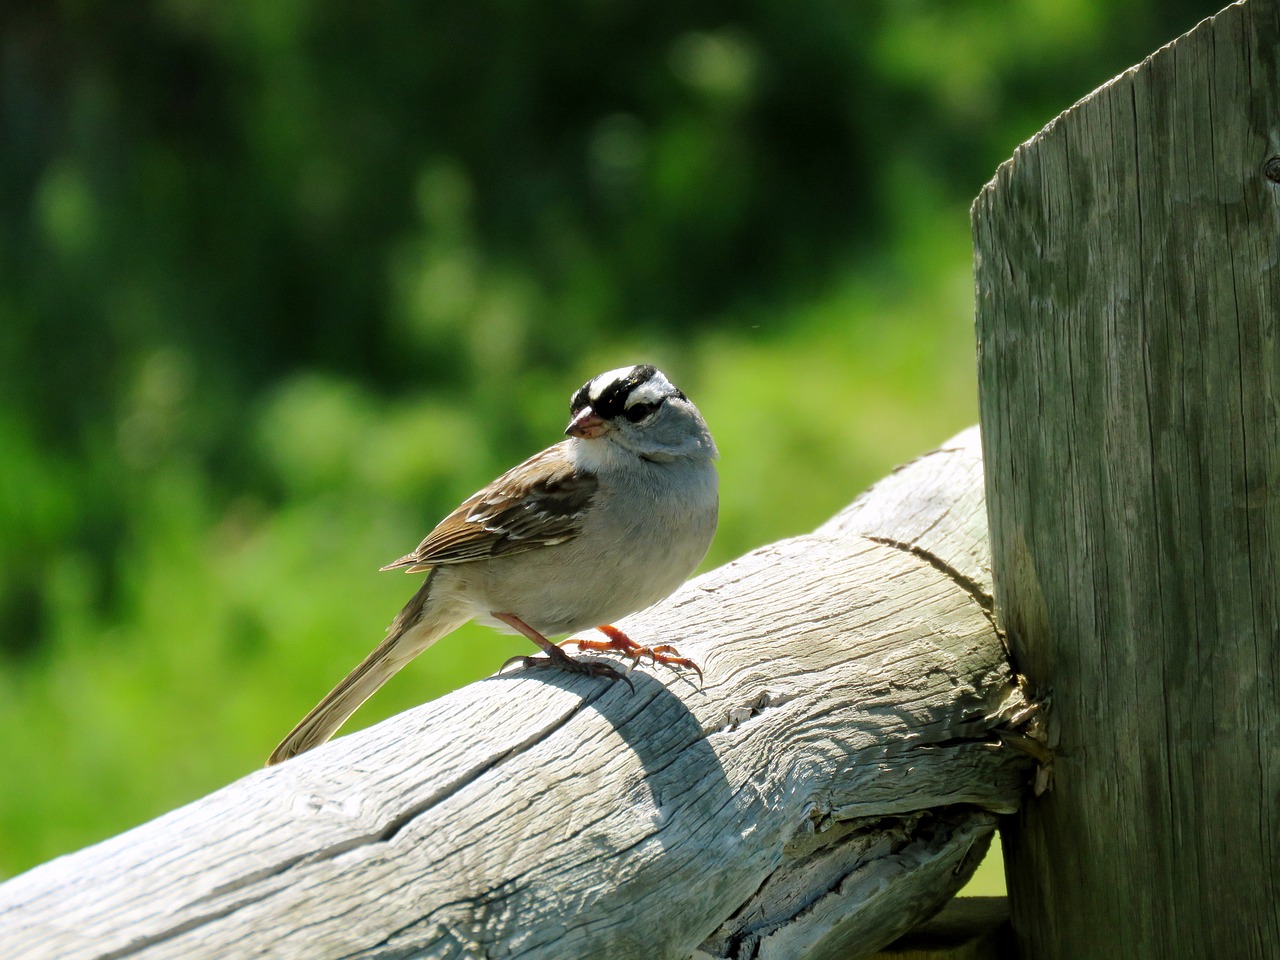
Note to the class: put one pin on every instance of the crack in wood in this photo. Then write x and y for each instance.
(980, 595)
(851, 850)
(384, 835)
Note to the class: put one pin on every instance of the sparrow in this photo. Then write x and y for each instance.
(593, 528)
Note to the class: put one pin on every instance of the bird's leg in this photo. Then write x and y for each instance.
(555, 657)
(619, 642)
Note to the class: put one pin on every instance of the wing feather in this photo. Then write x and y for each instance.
(539, 503)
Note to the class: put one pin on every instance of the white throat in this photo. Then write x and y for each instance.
(592, 456)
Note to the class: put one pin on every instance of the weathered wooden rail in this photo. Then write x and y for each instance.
(833, 782)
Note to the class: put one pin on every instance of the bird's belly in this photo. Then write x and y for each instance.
(588, 588)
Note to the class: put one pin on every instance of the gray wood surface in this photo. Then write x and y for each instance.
(832, 783)
(1128, 283)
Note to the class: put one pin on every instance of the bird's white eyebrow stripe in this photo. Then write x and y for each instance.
(653, 390)
(602, 381)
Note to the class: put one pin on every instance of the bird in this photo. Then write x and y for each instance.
(595, 527)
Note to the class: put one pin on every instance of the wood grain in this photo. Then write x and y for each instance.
(1128, 288)
(833, 782)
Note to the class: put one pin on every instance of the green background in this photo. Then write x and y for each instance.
(280, 283)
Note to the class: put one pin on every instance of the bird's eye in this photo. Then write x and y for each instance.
(638, 411)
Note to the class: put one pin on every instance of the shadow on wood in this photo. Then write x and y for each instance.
(967, 928)
(834, 781)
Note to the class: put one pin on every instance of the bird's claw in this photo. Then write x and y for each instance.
(619, 642)
(590, 668)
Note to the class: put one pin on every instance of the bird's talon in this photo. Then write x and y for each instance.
(594, 668)
(619, 642)
(611, 672)
(524, 661)
(590, 668)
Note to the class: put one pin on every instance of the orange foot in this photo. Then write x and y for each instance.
(555, 656)
(619, 642)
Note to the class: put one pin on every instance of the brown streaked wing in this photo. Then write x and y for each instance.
(539, 503)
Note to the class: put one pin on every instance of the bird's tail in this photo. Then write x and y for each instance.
(409, 634)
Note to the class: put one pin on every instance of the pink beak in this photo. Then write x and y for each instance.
(587, 425)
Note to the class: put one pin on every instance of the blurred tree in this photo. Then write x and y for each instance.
(235, 178)
(263, 265)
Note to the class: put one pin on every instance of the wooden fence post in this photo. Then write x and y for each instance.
(1128, 282)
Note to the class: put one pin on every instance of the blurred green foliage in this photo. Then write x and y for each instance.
(281, 282)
